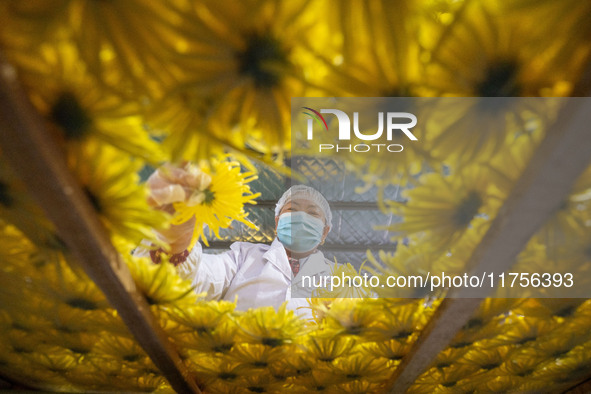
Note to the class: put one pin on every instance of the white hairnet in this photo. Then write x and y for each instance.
(305, 193)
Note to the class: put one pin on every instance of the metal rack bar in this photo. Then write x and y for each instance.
(334, 205)
(557, 163)
(217, 245)
(37, 159)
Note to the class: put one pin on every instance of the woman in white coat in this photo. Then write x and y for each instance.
(256, 275)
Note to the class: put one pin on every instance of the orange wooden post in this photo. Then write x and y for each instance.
(37, 160)
(548, 179)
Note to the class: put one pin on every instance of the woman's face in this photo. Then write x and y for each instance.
(304, 205)
(307, 206)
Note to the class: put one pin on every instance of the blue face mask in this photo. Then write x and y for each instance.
(299, 231)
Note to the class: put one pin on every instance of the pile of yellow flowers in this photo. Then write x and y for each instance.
(128, 84)
(57, 331)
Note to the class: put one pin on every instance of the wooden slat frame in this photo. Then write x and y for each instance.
(37, 159)
(548, 179)
(581, 388)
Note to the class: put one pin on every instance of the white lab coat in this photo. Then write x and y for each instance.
(256, 274)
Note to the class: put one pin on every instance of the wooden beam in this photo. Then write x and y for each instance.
(545, 183)
(36, 158)
(583, 86)
(581, 388)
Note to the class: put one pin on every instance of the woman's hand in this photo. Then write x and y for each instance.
(170, 184)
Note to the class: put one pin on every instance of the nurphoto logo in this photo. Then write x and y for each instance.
(397, 124)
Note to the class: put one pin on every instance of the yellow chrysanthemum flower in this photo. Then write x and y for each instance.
(123, 350)
(361, 367)
(270, 327)
(242, 64)
(569, 20)
(523, 364)
(346, 290)
(474, 332)
(558, 343)
(261, 383)
(325, 349)
(54, 359)
(257, 355)
(128, 45)
(160, 284)
(579, 324)
(485, 53)
(20, 270)
(520, 330)
(449, 379)
(201, 317)
(402, 322)
(59, 317)
(553, 251)
(54, 298)
(86, 376)
(536, 385)
(226, 388)
(219, 203)
(379, 58)
(319, 380)
(80, 343)
(429, 382)
(111, 182)
(485, 358)
(213, 368)
(491, 309)
(415, 259)
(461, 131)
(79, 107)
(575, 365)
(37, 377)
(73, 303)
(449, 356)
(508, 165)
(294, 368)
(567, 231)
(319, 308)
(221, 339)
(345, 316)
(444, 207)
(20, 341)
(19, 209)
(393, 350)
(360, 387)
(456, 258)
(547, 308)
(72, 288)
